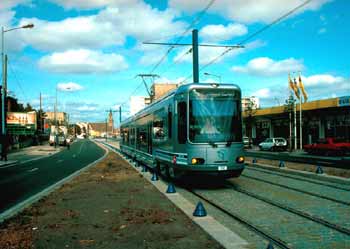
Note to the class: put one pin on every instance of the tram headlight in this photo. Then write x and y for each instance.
(240, 159)
(197, 161)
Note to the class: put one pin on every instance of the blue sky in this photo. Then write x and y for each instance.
(91, 50)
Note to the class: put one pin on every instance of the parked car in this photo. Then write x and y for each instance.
(274, 144)
(329, 146)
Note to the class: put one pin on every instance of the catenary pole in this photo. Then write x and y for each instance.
(300, 123)
(195, 56)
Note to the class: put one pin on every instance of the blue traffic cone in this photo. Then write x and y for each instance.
(281, 164)
(171, 189)
(270, 246)
(254, 160)
(200, 210)
(154, 177)
(319, 170)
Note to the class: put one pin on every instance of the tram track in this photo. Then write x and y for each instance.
(255, 228)
(298, 190)
(300, 178)
(303, 214)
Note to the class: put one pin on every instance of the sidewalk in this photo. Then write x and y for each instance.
(108, 206)
(29, 154)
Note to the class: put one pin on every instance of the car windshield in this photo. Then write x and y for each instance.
(215, 116)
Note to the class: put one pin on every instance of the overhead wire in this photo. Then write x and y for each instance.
(241, 43)
(189, 27)
(17, 81)
(194, 22)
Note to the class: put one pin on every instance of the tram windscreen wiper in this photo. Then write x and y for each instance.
(213, 144)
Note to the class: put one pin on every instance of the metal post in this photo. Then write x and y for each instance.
(295, 124)
(3, 84)
(56, 122)
(120, 115)
(195, 56)
(5, 93)
(106, 128)
(301, 124)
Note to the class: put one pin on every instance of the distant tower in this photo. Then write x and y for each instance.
(110, 121)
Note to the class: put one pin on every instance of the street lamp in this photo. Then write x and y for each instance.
(217, 76)
(4, 84)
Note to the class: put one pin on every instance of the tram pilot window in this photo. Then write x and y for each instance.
(182, 122)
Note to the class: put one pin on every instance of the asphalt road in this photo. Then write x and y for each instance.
(19, 182)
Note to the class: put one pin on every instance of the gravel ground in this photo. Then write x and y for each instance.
(108, 206)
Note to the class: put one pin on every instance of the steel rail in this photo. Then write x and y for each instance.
(277, 241)
(299, 190)
(301, 178)
(316, 219)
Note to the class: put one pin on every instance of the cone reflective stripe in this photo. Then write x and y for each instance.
(301, 86)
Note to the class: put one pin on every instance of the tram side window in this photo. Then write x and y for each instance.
(170, 121)
(182, 122)
(132, 136)
(142, 138)
(159, 132)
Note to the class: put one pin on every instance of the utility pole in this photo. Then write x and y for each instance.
(195, 56)
(195, 53)
(106, 129)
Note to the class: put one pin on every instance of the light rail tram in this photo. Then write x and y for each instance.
(196, 128)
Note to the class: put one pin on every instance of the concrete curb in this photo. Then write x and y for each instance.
(215, 229)
(26, 203)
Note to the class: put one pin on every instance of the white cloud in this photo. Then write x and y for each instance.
(209, 54)
(322, 30)
(83, 61)
(217, 33)
(322, 80)
(248, 11)
(262, 93)
(264, 66)
(71, 33)
(8, 4)
(69, 87)
(109, 27)
(85, 108)
(90, 4)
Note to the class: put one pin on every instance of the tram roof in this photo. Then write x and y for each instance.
(182, 89)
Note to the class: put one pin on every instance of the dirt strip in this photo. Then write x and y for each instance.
(108, 206)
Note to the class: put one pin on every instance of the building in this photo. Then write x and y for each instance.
(62, 118)
(102, 129)
(250, 102)
(137, 103)
(320, 119)
(158, 90)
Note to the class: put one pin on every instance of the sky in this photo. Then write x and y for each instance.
(89, 52)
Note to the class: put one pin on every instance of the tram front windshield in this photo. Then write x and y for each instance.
(214, 116)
